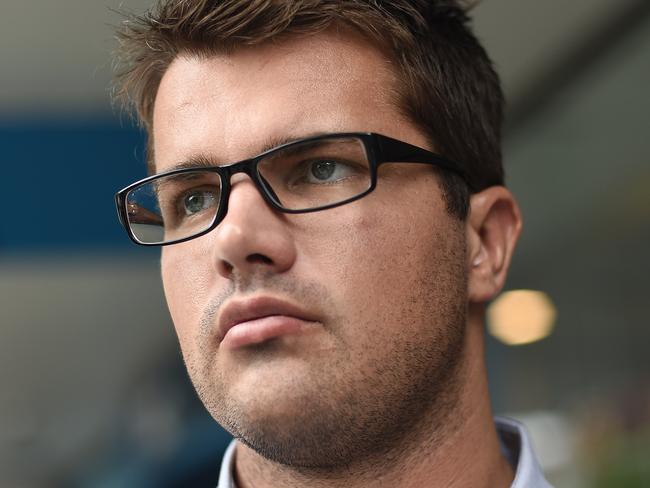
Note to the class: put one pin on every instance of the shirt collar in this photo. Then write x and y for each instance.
(226, 479)
(515, 445)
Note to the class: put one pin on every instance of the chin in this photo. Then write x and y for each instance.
(298, 437)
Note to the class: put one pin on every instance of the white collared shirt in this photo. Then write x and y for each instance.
(515, 445)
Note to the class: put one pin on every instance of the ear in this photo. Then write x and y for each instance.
(492, 228)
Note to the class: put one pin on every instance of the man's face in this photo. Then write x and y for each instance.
(382, 280)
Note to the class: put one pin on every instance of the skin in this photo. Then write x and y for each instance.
(389, 387)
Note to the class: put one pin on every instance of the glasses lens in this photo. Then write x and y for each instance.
(317, 173)
(173, 207)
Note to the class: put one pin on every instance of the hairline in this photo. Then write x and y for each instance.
(398, 98)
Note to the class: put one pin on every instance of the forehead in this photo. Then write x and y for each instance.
(228, 106)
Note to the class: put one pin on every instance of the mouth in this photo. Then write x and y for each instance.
(255, 320)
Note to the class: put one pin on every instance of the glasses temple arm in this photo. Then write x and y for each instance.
(394, 151)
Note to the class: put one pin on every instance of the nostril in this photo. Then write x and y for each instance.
(259, 258)
(226, 267)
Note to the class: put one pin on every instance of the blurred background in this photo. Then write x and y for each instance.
(93, 391)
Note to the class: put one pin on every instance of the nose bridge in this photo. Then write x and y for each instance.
(252, 233)
(243, 195)
(247, 167)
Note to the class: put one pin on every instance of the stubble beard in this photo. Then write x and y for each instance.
(350, 419)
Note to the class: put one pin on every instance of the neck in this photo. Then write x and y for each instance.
(464, 453)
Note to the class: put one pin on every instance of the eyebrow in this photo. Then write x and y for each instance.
(205, 161)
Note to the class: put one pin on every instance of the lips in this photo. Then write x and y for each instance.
(255, 320)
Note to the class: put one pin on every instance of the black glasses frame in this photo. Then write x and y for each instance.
(380, 149)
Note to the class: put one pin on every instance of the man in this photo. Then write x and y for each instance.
(329, 193)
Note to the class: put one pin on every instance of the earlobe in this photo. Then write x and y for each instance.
(493, 227)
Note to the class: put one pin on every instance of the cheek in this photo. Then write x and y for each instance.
(186, 284)
(375, 258)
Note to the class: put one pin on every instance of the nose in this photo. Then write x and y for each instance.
(253, 237)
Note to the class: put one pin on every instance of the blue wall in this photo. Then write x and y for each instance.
(58, 180)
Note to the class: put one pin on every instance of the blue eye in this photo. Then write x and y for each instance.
(323, 170)
(198, 201)
(329, 171)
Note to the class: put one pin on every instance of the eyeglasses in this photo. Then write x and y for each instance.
(305, 175)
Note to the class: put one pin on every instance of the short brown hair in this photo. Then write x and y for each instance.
(447, 85)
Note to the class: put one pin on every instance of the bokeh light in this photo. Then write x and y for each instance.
(521, 317)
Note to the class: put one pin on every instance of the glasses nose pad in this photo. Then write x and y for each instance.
(269, 190)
